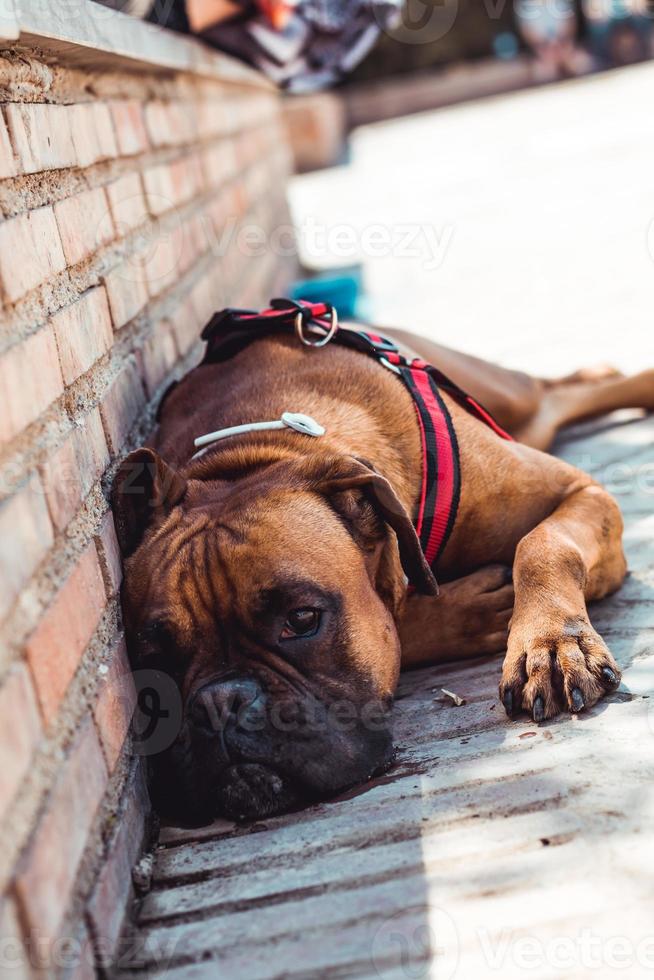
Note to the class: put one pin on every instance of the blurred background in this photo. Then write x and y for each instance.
(312, 43)
(567, 36)
(475, 170)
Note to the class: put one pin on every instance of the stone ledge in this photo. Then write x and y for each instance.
(87, 34)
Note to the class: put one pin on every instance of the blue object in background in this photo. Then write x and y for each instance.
(506, 45)
(343, 289)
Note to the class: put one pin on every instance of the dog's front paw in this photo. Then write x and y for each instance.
(554, 665)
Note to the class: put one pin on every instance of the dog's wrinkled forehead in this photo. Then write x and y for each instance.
(208, 564)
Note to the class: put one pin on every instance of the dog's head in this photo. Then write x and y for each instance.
(268, 593)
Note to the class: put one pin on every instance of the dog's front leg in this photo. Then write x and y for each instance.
(555, 659)
(469, 618)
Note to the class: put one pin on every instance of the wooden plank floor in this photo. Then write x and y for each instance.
(493, 847)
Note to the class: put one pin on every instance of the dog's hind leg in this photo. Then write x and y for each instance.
(532, 409)
(563, 404)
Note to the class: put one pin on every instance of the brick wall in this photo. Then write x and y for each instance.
(133, 206)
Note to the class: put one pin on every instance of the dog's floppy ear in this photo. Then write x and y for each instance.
(346, 481)
(144, 487)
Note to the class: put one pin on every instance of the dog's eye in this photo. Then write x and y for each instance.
(301, 622)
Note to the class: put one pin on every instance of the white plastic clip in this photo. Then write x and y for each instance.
(289, 420)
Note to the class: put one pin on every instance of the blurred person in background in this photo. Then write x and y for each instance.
(550, 28)
(301, 45)
(619, 32)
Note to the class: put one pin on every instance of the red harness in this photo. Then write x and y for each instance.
(315, 324)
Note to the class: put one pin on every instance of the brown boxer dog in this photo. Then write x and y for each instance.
(268, 577)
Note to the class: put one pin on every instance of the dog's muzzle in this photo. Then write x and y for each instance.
(246, 754)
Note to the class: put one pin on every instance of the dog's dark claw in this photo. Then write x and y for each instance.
(539, 709)
(507, 701)
(609, 676)
(577, 699)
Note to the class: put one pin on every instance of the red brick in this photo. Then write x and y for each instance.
(92, 133)
(62, 486)
(130, 129)
(182, 246)
(25, 539)
(233, 112)
(30, 252)
(8, 166)
(161, 261)
(170, 123)
(186, 326)
(45, 880)
(159, 189)
(200, 233)
(20, 729)
(41, 136)
(219, 163)
(85, 224)
(156, 123)
(55, 648)
(121, 407)
(238, 200)
(126, 290)
(91, 450)
(216, 217)
(109, 552)
(170, 184)
(206, 297)
(182, 117)
(213, 118)
(256, 181)
(15, 956)
(83, 135)
(224, 215)
(187, 178)
(83, 332)
(127, 202)
(104, 128)
(191, 241)
(247, 149)
(157, 357)
(115, 705)
(110, 897)
(30, 380)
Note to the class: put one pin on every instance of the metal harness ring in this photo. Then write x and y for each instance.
(299, 329)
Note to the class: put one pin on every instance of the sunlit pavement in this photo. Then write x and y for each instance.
(494, 848)
(529, 216)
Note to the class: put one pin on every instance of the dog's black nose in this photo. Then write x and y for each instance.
(237, 700)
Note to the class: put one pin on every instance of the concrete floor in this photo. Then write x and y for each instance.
(495, 847)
